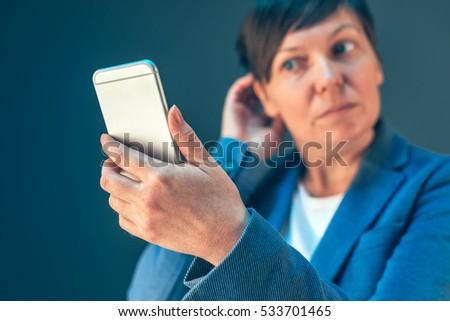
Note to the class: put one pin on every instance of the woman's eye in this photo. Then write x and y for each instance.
(343, 47)
(291, 64)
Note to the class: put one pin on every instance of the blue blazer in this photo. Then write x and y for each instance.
(388, 240)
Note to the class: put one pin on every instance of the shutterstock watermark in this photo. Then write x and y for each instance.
(249, 154)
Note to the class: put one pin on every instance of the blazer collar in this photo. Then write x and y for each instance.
(389, 149)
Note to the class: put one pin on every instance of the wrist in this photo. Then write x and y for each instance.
(226, 238)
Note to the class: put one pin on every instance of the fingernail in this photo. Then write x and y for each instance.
(102, 137)
(178, 116)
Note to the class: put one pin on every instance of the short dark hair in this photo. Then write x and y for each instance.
(267, 24)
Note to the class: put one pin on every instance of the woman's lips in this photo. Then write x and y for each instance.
(338, 109)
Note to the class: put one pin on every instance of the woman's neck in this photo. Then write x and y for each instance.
(326, 180)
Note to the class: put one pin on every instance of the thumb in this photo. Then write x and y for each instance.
(188, 143)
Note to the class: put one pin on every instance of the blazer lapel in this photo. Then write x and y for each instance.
(359, 208)
(376, 181)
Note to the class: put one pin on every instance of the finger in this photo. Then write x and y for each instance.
(245, 81)
(188, 143)
(129, 159)
(124, 209)
(129, 226)
(130, 176)
(117, 184)
(244, 86)
(110, 164)
(118, 205)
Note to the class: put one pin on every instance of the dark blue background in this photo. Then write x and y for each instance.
(59, 240)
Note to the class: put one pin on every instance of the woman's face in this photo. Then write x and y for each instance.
(325, 78)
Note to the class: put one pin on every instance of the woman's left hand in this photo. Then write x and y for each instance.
(192, 208)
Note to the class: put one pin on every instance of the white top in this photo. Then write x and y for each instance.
(309, 218)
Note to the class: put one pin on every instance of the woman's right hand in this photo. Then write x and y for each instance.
(242, 120)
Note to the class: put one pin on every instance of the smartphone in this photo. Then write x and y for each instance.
(134, 108)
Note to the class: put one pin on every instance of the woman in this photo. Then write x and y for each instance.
(363, 215)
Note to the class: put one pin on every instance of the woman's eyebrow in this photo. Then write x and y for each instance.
(333, 34)
(342, 27)
(290, 49)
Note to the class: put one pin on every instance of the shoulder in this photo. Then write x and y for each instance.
(392, 150)
(433, 172)
(427, 164)
(422, 172)
(427, 179)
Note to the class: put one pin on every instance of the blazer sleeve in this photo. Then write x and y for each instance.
(229, 153)
(261, 266)
(419, 268)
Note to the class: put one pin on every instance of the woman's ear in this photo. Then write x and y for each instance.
(263, 97)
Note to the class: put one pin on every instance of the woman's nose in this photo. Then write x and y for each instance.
(328, 76)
